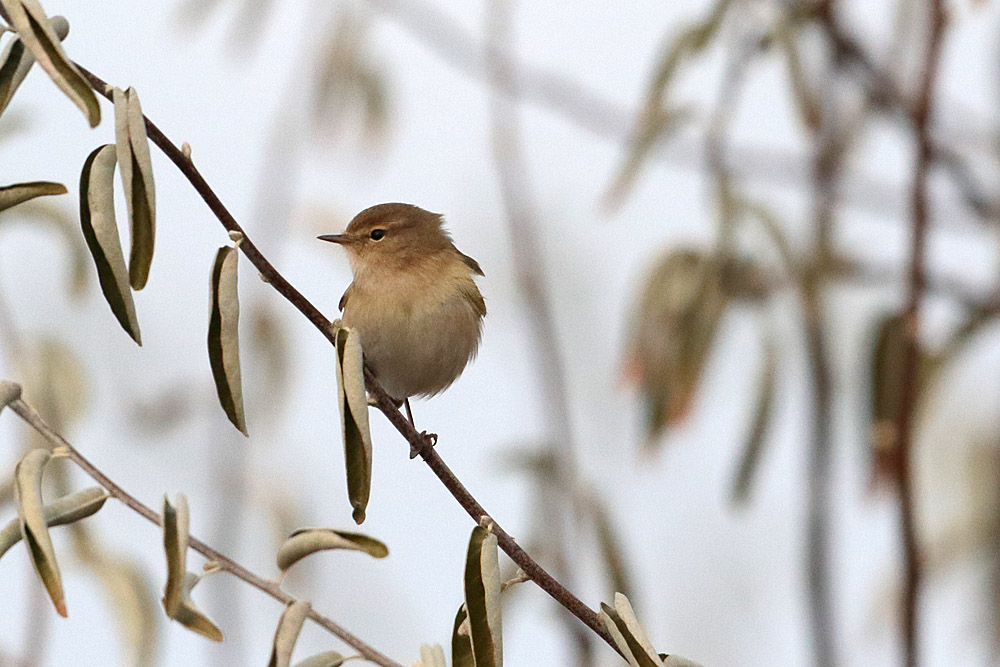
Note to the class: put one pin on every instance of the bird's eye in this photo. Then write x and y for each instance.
(377, 234)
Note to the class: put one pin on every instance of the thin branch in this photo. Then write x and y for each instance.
(31, 416)
(920, 115)
(271, 275)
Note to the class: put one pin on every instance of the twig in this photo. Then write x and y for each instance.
(31, 416)
(920, 115)
(271, 275)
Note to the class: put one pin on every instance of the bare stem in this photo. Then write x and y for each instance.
(31, 416)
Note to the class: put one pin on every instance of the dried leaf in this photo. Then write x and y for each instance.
(287, 633)
(482, 598)
(461, 642)
(325, 659)
(18, 193)
(432, 656)
(16, 62)
(763, 413)
(97, 216)
(136, 169)
(34, 29)
(130, 594)
(9, 392)
(177, 593)
(354, 420)
(308, 541)
(34, 530)
(68, 509)
(224, 336)
(628, 635)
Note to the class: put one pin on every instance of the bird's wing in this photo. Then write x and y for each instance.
(343, 299)
(469, 262)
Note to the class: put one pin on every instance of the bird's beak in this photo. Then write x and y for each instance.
(342, 239)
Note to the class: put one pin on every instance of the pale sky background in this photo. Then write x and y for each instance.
(718, 585)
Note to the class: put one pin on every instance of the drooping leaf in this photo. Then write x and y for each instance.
(353, 405)
(131, 597)
(9, 392)
(482, 598)
(16, 62)
(97, 216)
(324, 659)
(610, 545)
(224, 336)
(629, 635)
(31, 510)
(18, 193)
(306, 541)
(461, 641)
(177, 592)
(432, 656)
(287, 633)
(763, 413)
(68, 509)
(34, 29)
(136, 169)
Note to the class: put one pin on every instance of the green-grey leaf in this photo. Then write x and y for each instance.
(354, 420)
(136, 170)
(97, 217)
(131, 595)
(16, 62)
(612, 552)
(482, 598)
(461, 642)
(325, 659)
(34, 29)
(224, 336)
(68, 509)
(432, 656)
(628, 634)
(287, 633)
(190, 617)
(177, 592)
(308, 541)
(18, 193)
(9, 392)
(34, 530)
(758, 428)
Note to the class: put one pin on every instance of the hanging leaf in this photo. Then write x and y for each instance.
(763, 413)
(629, 636)
(9, 392)
(325, 659)
(34, 530)
(224, 336)
(131, 596)
(68, 509)
(97, 216)
(461, 641)
(289, 627)
(308, 541)
(177, 593)
(34, 29)
(16, 62)
(18, 193)
(354, 420)
(432, 656)
(136, 169)
(482, 598)
(610, 544)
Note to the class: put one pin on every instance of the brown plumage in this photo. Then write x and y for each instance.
(413, 300)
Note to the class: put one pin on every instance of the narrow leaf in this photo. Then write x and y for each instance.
(34, 530)
(9, 392)
(610, 544)
(325, 659)
(177, 593)
(97, 216)
(136, 170)
(34, 29)
(749, 461)
(635, 630)
(461, 642)
(354, 420)
(629, 636)
(191, 618)
(482, 598)
(16, 62)
(18, 193)
(224, 336)
(289, 627)
(68, 509)
(308, 541)
(432, 656)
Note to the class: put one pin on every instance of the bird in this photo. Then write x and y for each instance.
(413, 300)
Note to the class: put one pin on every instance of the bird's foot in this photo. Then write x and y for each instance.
(430, 439)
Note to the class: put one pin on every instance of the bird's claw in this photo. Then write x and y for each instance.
(430, 439)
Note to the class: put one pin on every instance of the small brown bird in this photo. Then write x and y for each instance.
(413, 300)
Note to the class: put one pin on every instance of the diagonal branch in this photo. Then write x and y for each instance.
(31, 416)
